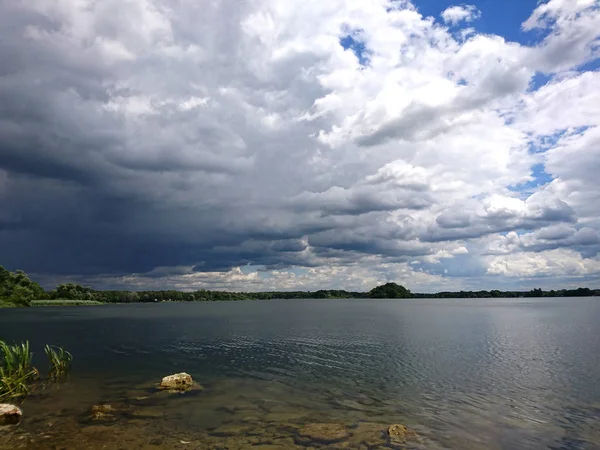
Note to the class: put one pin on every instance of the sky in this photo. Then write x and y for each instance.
(300, 145)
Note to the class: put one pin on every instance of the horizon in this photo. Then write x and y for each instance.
(278, 146)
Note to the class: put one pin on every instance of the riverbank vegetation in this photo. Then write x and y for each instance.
(17, 372)
(16, 289)
(63, 302)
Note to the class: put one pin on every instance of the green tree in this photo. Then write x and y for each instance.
(21, 296)
(17, 288)
(390, 290)
(72, 291)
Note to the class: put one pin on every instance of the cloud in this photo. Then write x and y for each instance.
(152, 143)
(571, 36)
(456, 14)
(240, 279)
(562, 262)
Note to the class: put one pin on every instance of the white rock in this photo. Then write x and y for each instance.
(9, 414)
(177, 381)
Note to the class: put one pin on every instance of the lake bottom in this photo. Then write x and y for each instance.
(248, 413)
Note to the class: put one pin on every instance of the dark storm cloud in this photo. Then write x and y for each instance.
(180, 140)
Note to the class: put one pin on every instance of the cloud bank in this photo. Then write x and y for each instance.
(277, 145)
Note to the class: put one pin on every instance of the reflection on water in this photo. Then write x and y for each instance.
(464, 374)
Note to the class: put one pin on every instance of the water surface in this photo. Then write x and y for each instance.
(464, 374)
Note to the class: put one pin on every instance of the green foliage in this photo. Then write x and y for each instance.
(59, 360)
(16, 288)
(212, 296)
(72, 291)
(16, 370)
(390, 290)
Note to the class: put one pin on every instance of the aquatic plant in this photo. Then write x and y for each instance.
(60, 361)
(16, 369)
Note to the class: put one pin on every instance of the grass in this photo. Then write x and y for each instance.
(7, 305)
(16, 370)
(65, 303)
(60, 362)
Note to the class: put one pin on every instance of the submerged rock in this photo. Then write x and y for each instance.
(326, 433)
(102, 411)
(177, 382)
(399, 433)
(10, 414)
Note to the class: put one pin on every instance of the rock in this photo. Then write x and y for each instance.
(10, 414)
(326, 433)
(399, 433)
(106, 409)
(178, 382)
(101, 411)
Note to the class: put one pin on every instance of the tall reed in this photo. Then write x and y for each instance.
(59, 360)
(16, 370)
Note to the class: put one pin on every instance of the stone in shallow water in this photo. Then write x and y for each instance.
(399, 433)
(327, 433)
(102, 411)
(177, 381)
(10, 414)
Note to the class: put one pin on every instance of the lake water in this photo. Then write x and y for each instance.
(463, 374)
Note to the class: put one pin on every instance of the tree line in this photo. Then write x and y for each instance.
(16, 288)
(579, 292)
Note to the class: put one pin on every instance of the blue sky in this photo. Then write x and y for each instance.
(501, 17)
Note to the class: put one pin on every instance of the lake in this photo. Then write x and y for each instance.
(463, 374)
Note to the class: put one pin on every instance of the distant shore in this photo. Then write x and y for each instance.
(449, 295)
(64, 302)
(17, 289)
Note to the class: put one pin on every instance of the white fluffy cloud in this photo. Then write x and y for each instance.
(571, 33)
(222, 135)
(550, 263)
(456, 14)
